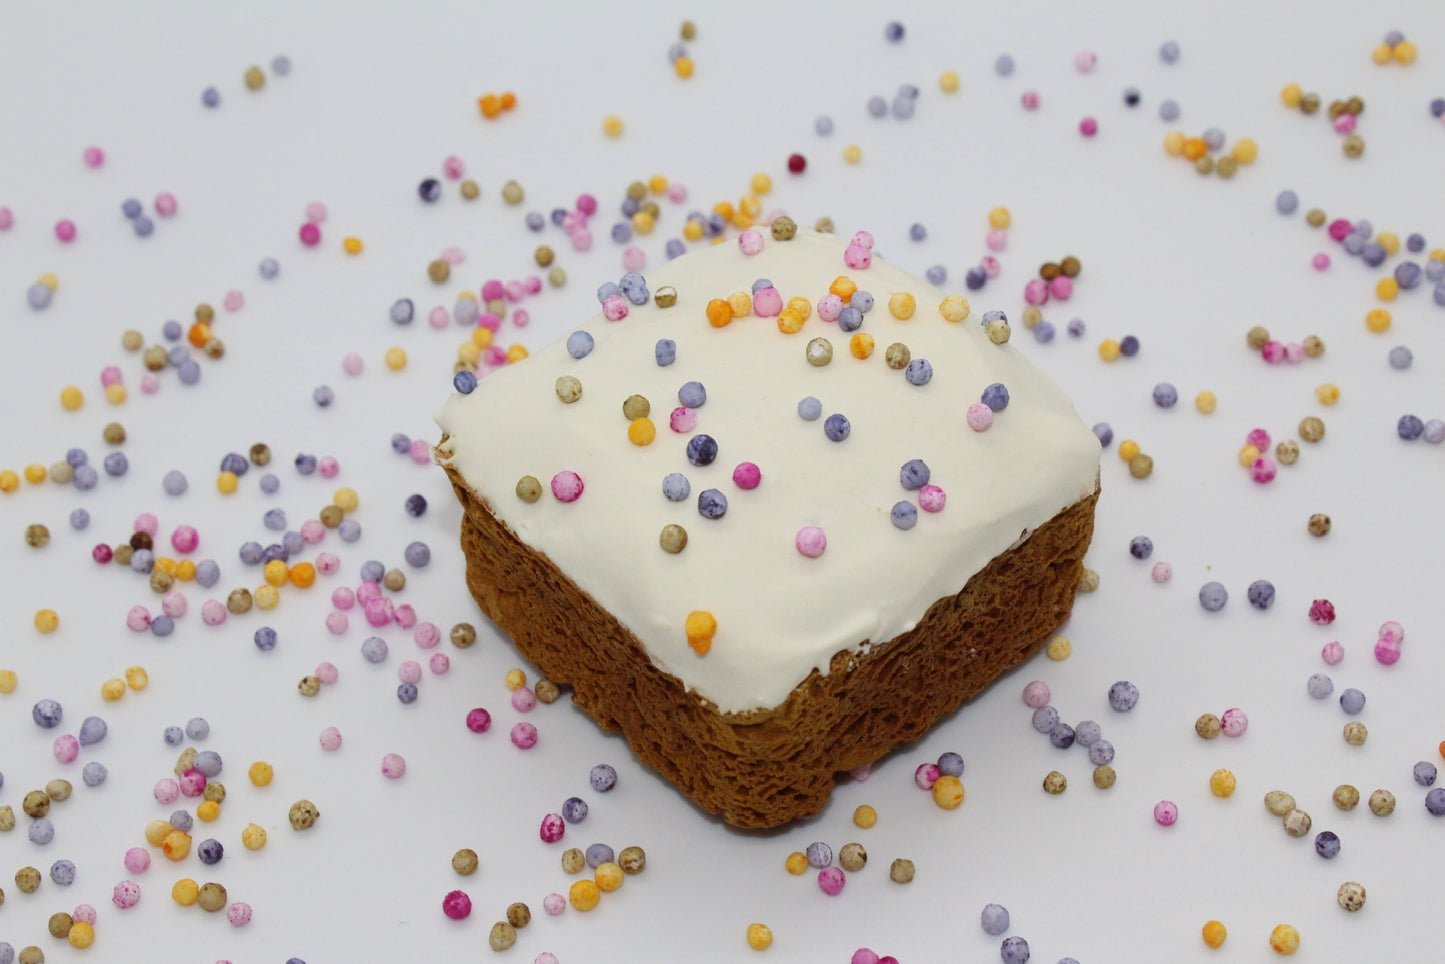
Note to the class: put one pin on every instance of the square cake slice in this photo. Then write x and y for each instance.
(757, 514)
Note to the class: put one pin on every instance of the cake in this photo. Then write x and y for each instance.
(758, 516)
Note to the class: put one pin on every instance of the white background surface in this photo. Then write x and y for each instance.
(376, 98)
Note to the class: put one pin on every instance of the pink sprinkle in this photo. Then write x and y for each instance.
(633, 259)
(65, 230)
(213, 613)
(857, 257)
(1320, 261)
(368, 591)
(453, 256)
(7, 219)
(479, 720)
(409, 672)
(239, 913)
(1263, 469)
(1036, 694)
(337, 622)
(573, 222)
(138, 859)
(174, 604)
(1166, 813)
(747, 475)
(524, 736)
(1392, 631)
(996, 239)
(931, 498)
(750, 242)
(233, 301)
(405, 616)
(554, 904)
(84, 913)
(352, 364)
(1233, 722)
(110, 375)
(1272, 352)
(1085, 60)
(310, 234)
(831, 880)
(864, 239)
(1036, 292)
(614, 308)
(454, 167)
(1061, 287)
(393, 766)
(767, 303)
(676, 193)
(865, 955)
(546, 957)
(522, 317)
(315, 212)
(166, 204)
(166, 791)
(150, 383)
(328, 467)
(1259, 438)
(327, 563)
(979, 416)
(581, 240)
(1162, 572)
(861, 774)
(439, 664)
(1387, 651)
(587, 204)
(93, 157)
(185, 539)
(811, 541)
(126, 894)
(926, 776)
(1088, 127)
(523, 699)
(1345, 124)
(420, 452)
(330, 739)
(343, 598)
(138, 619)
(327, 673)
(427, 635)
(67, 747)
(682, 419)
(147, 523)
(192, 783)
(515, 290)
(533, 284)
(495, 356)
(456, 905)
(567, 486)
(378, 611)
(439, 317)
(1322, 612)
(829, 307)
(489, 320)
(1294, 352)
(1030, 100)
(493, 290)
(990, 265)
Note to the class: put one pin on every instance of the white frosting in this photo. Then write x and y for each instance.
(780, 614)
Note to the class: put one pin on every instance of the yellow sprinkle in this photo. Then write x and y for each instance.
(35, 474)
(1382, 54)
(1390, 241)
(226, 482)
(261, 773)
(790, 322)
(1205, 402)
(274, 572)
(1214, 933)
(1058, 648)
(948, 792)
(760, 937)
(1405, 53)
(657, 184)
(1000, 218)
(741, 302)
(802, 306)
(643, 222)
(861, 345)
(797, 863)
(208, 810)
(266, 597)
(185, 570)
(156, 831)
(469, 353)
(253, 837)
(1377, 320)
(80, 934)
(902, 305)
(865, 816)
(482, 336)
(1386, 289)
(612, 125)
(608, 876)
(1284, 939)
(345, 499)
(1174, 143)
(1222, 783)
(115, 394)
(9, 481)
(8, 681)
(742, 221)
(948, 81)
(752, 204)
(1245, 150)
(584, 895)
(46, 620)
(71, 398)
(185, 892)
(1109, 349)
(761, 183)
(516, 353)
(1328, 393)
(852, 153)
(1247, 455)
(683, 67)
(1291, 95)
(516, 679)
(692, 230)
(954, 308)
(641, 431)
(1128, 449)
(137, 678)
(50, 280)
(396, 358)
(700, 626)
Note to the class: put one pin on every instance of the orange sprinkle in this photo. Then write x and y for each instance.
(719, 313)
(1195, 148)
(509, 100)
(199, 334)
(490, 105)
(302, 574)
(790, 321)
(861, 345)
(843, 286)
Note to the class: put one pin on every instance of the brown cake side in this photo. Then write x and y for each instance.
(764, 768)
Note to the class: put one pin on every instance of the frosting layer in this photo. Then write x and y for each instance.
(780, 614)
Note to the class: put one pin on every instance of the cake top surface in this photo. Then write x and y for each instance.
(789, 486)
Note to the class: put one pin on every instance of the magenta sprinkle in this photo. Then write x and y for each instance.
(1166, 812)
(747, 475)
(456, 905)
(1322, 612)
(831, 880)
(310, 234)
(567, 486)
(926, 775)
(553, 827)
(1387, 651)
(479, 720)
